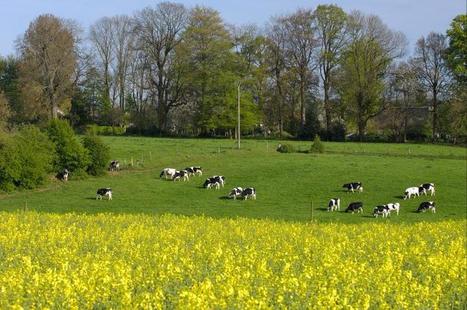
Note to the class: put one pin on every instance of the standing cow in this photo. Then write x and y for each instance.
(355, 207)
(236, 192)
(183, 174)
(249, 192)
(195, 170)
(427, 205)
(104, 192)
(168, 173)
(354, 186)
(411, 191)
(114, 165)
(393, 207)
(427, 187)
(63, 175)
(214, 182)
(334, 204)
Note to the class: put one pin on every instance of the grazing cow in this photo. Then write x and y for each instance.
(411, 191)
(167, 173)
(195, 170)
(220, 179)
(63, 175)
(104, 192)
(114, 165)
(216, 181)
(212, 182)
(183, 174)
(427, 205)
(355, 206)
(236, 192)
(249, 192)
(334, 204)
(427, 187)
(354, 186)
(381, 210)
(394, 207)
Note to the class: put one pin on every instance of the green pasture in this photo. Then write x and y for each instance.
(291, 187)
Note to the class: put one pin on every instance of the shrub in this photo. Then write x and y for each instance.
(25, 159)
(285, 148)
(99, 154)
(9, 163)
(317, 146)
(71, 154)
(336, 132)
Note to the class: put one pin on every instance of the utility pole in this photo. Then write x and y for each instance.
(238, 115)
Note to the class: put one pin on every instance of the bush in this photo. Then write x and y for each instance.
(336, 132)
(71, 154)
(99, 154)
(285, 148)
(25, 159)
(317, 146)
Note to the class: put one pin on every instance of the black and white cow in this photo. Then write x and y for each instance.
(220, 179)
(236, 192)
(427, 205)
(214, 182)
(382, 210)
(167, 173)
(104, 192)
(63, 175)
(195, 170)
(427, 187)
(114, 165)
(334, 204)
(394, 207)
(355, 206)
(249, 192)
(411, 191)
(354, 186)
(180, 175)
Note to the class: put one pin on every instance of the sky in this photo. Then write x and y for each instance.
(413, 17)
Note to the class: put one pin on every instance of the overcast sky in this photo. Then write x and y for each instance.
(412, 17)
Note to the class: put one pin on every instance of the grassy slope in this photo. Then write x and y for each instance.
(286, 183)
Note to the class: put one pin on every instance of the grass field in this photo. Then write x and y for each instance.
(286, 184)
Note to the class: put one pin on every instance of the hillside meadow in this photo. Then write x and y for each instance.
(291, 187)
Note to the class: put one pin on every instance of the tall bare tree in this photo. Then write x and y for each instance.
(123, 49)
(301, 42)
(159, 32)
(330, 23)
(48, 61)
(276, 36)
(101, 35)
(433, 73)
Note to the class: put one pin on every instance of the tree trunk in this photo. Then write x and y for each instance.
(302, 105)
(327, 110)
(435, 113)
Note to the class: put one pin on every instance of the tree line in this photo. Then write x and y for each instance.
(172, 70)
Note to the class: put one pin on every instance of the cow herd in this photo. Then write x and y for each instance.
(386, 209)
(216, 181)
(334, 204)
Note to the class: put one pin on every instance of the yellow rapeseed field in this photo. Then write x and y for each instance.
(141, 261)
